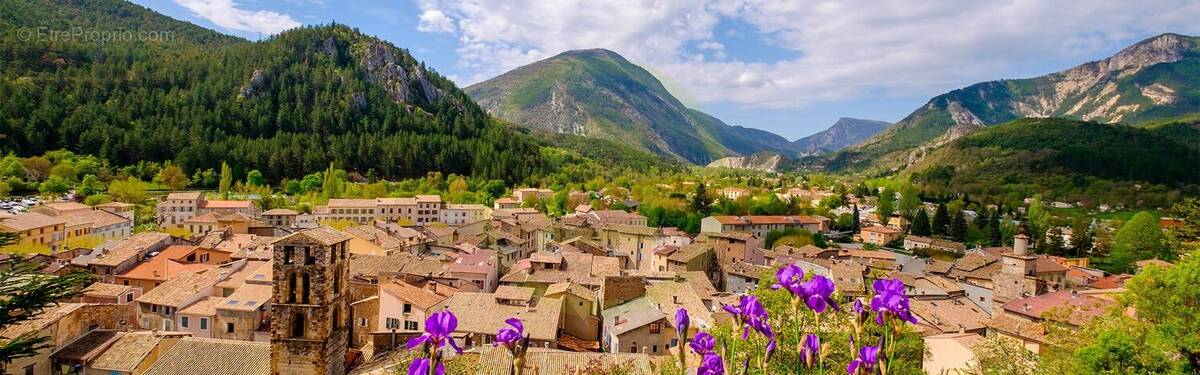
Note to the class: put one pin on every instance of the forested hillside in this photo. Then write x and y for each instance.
(286, 106)
(1088, 160)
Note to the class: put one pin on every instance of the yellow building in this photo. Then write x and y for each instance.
(36, 229)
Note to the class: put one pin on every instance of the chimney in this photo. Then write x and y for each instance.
(1021, 244)
(962, 329)
(1027, 307)
(675, 299)
(616, 319)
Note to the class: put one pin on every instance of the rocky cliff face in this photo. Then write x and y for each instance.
(1154, 79)
(597, 93)
(403, 82)
(760, 162)
(845, 132)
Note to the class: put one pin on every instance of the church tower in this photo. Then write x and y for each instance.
(310, 315)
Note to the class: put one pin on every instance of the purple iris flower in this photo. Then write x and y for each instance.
(438, 328)
(860, 312)
(703, 343)
(770, 343)
(420, 366)
(811, 349)
(890, 300)
(711, 364)
(682, 322)
(750, 313)
(868, 360)
(789, 277)
(818, 293)
(510, 336)
(882, 286)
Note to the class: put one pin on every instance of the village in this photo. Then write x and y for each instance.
(340, 289)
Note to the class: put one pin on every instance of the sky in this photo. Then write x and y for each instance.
(790, 67)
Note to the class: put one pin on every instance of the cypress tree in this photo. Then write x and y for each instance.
(941, 221)
(920, 224)
(994, 229)
(958, 226)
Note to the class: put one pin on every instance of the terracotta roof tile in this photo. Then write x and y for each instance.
(225, 357)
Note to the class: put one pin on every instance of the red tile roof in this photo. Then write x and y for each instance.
(1064, 306)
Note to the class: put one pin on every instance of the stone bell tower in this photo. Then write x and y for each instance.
(1017, 277)
(310, 314)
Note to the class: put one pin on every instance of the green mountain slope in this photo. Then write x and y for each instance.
(1154, 79)
(287, 105)
(1067, 155)
(597, 93)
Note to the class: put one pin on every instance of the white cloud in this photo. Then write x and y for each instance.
(434, 21)
(843, 50)
(225, 13)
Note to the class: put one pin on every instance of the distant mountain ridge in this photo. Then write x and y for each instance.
(843, 133)
(1154, 79)
(597, 93)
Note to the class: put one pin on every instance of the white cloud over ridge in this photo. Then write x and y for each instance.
(225, 13)
(842, 50)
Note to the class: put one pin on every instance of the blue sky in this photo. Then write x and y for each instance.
(790, 67)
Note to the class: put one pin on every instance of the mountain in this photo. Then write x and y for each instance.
(845, 132)
(1072, 159)
(1153, 79)
(599, 94)
(287, 105)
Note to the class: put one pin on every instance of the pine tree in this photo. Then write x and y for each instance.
(941, 221)
(1054, 243)
(958, 226)
(24, 293)
(920, 224)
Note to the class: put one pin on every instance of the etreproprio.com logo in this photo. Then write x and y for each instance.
(87, 35)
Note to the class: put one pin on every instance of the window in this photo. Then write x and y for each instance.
(674, 342)
(29, 370)
(183, 321)
(362, 322)
(228, 327)
(633, 348)
(203, 323)
(655, 328)
(166, 325)
(392, 323)
(655, 348)
(408, 308)
(291, 292)
(128, 297)
(410, 325)
(304, 284)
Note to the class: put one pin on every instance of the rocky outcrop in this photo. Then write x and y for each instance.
(759, 162)
(253, 86)
(379, 64)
